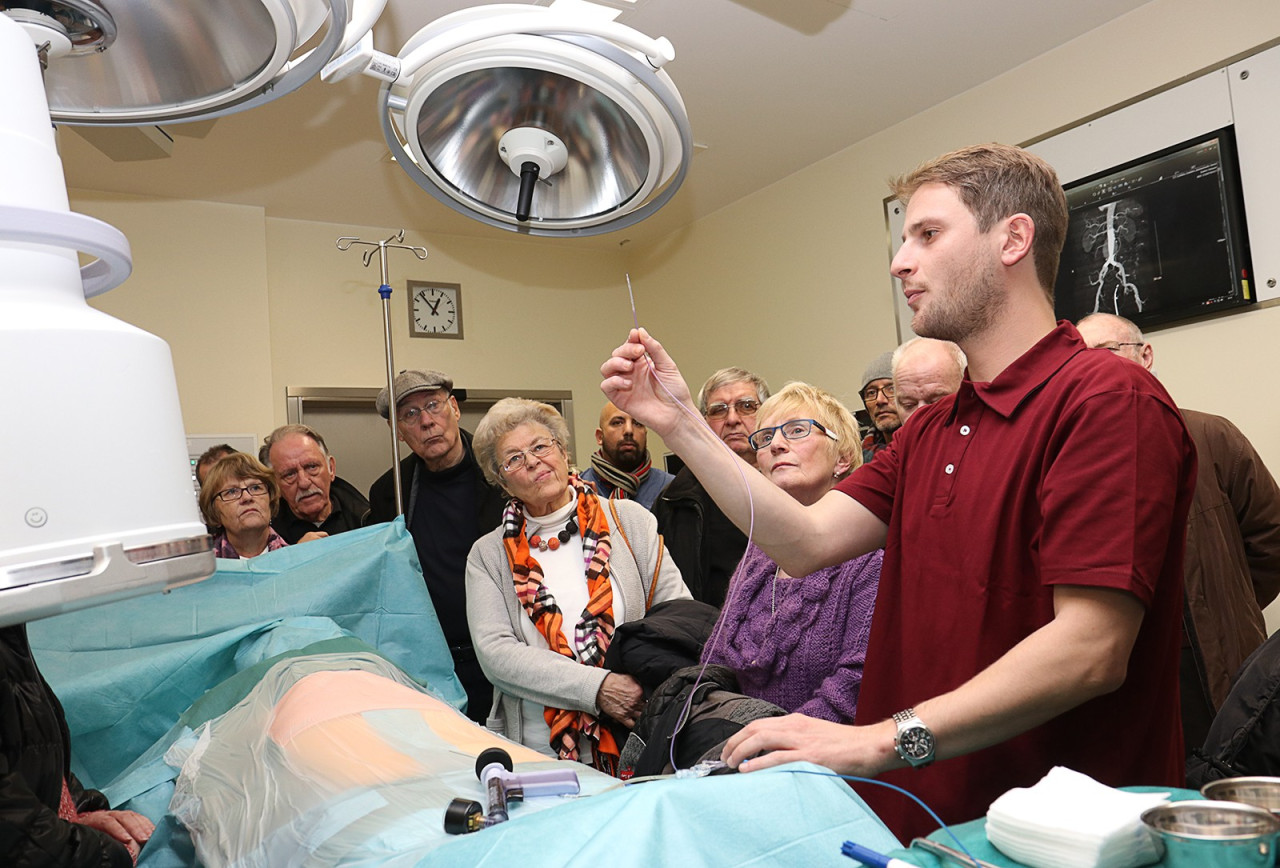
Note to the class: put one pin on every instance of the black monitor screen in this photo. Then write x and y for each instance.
(1159, 239)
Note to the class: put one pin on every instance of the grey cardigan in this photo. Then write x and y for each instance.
(520, 671)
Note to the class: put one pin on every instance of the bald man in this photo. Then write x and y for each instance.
(1232, 565)
(924, 371)
(621, 468)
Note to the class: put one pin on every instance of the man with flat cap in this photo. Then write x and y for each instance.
(447, 506)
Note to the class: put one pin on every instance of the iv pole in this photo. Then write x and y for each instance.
(345, 243)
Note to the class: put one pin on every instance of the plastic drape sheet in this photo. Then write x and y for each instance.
(332, 759)
(336, 760)
(126, 671)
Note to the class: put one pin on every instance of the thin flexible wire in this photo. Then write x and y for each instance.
(897, 789)
(714, 638)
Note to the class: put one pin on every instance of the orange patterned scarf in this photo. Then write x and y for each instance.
(593, 630)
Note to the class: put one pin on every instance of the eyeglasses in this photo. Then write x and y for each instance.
(870, 392)
(435, 408)
(231, 495)
(796, 429)
(744, 407)
(1115, 346)
(538, 450)
(312, 470)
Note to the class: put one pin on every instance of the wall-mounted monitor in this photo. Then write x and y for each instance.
(1158, 239)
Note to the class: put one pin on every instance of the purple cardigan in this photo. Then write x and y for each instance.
(808, 656)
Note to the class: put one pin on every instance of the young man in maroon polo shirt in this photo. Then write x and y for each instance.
(1029, 606)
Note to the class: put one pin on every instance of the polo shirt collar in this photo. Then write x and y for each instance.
(1027, 374)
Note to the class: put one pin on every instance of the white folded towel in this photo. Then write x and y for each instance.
(1069, 820)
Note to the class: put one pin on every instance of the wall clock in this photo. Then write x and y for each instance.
(435, 310)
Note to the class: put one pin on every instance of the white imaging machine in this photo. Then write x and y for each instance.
(95, 496)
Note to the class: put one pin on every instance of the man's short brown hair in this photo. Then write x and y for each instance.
(997, 181)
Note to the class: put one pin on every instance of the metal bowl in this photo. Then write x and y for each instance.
(1259, 791)
(1209, 834)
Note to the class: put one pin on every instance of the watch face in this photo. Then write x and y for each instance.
(916, 742)
(435, 310)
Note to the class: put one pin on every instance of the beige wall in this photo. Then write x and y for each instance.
(252, 305)
(791, 281)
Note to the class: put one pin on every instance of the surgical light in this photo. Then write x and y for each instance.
(540, 120)
(95, 493)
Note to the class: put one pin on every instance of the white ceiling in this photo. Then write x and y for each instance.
(771, 86)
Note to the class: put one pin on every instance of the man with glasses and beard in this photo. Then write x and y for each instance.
(704, 543)
(447, 506)
(621, 468)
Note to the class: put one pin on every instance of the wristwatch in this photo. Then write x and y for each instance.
(914, 740)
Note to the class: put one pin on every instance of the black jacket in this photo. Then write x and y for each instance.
(350, 512)
(669, 637)
(686, 516)
(382, 494)
(34, 759)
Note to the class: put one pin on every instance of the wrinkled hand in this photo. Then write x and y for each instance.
(131, 829)
(312, 535)
(853, 750)
(630, 383)
(622, 698)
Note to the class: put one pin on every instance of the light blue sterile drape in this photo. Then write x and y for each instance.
(126, 671)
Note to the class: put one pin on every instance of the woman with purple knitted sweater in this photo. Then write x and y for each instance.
(799, 642)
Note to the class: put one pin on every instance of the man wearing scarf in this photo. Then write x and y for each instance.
(621, 468)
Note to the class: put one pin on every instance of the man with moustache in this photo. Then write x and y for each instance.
(621, 468)
(1029, 608)
(315, 502)
(703, 542)
(447, 506)
(876, 392)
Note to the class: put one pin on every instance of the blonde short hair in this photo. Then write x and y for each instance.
(803, 401)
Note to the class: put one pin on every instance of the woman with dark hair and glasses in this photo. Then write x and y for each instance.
(238, 499)
(547, 587)
(799, 642)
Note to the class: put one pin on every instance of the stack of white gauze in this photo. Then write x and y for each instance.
(1069, 820)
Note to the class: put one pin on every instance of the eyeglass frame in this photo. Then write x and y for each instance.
(550, 443)
(1120, 344)
(720, 409)
(813, 423)
(412, 414)
(868, 395)
(240, 492)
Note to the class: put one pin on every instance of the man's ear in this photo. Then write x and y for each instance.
(599, 437)
(333, 466)
(1019, 233)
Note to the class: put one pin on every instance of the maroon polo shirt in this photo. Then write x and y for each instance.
(1071, 467)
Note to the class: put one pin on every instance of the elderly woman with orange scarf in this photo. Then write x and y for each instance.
(546, 589)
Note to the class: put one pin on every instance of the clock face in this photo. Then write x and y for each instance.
(435, 310)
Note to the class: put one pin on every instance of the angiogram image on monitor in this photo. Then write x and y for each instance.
(1159, 239)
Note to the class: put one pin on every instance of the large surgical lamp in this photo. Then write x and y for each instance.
(95, 493)
(552, 121)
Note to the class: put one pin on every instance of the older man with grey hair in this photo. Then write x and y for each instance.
(925, 371)
(1232, 565)
(703, 542)
(314, 501)
(447, 505)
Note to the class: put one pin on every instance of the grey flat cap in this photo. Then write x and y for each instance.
(409, 382)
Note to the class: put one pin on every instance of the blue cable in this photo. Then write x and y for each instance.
(896, 789)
